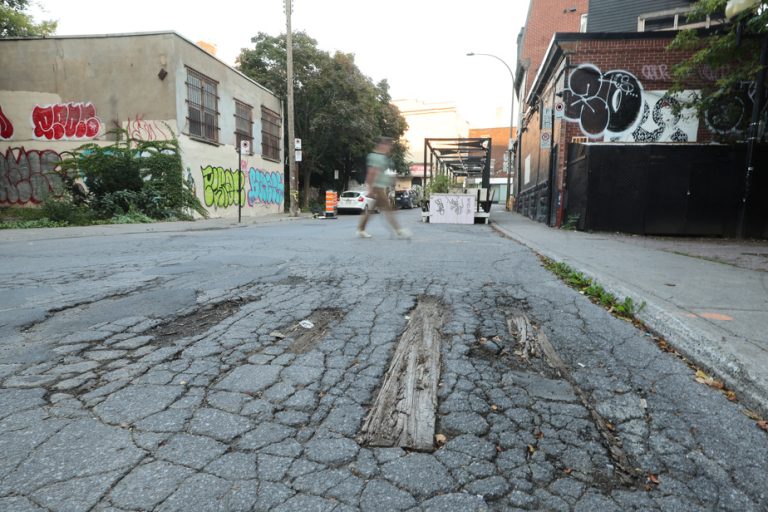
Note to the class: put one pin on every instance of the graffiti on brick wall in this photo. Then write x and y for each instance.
(141, 129)
(266, 187)
(65, 121)
(730, 115)
(220, 187)
(6, 127)
(614, 106)
(665, 119)
(602, 103)
(28, 177)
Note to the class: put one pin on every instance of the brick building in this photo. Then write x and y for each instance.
(610, 93)
(545, 17)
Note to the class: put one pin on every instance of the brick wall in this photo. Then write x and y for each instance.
(645, 58)
(499, 144)
(545, 17)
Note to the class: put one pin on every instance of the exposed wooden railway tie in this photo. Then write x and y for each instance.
(403, 413)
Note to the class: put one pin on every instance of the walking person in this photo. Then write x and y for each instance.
(377, 182)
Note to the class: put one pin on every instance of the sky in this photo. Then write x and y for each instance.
(419, 46)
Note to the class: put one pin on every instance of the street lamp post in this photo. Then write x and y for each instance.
(511, 124)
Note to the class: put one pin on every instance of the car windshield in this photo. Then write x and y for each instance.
(350, 194)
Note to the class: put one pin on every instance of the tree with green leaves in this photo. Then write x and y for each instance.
(339, 112)
(731, 49)
(15, 22)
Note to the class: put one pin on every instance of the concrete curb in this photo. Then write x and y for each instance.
(705, 348)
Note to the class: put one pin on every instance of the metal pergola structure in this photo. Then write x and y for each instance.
(469, 157)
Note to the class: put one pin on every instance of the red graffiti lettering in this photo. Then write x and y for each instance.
(28, 177)
(66, 121)
(141, 129)
(6, 128)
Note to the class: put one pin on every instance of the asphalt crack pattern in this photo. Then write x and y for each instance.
(241, 410)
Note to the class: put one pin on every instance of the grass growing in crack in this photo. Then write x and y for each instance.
(623, 308)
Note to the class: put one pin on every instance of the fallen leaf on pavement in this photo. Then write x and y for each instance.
(703, 378)
(568, 471)
(763, 425)
(531, 449)
(653, 479)
(730, 395)
(494, 408)
(751, 414)
(440, 439)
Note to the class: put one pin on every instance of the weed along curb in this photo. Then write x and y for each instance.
(587, 286)
(627, 309)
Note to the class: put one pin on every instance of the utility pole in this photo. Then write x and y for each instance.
(292, 170)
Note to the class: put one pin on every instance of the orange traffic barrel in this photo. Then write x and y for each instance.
(330, 203)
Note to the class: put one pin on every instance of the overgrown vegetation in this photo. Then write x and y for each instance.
(729, 52)
(571, 223)
(623, 308)
(129, 181)
(440, 184)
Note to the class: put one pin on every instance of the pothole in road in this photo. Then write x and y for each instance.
(195, 322)
(314, 328)
(525, 358)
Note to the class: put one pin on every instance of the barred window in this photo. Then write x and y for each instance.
(243, 123)
(270, 134)
(203, 103)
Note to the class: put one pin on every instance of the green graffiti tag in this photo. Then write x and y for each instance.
(220, 187)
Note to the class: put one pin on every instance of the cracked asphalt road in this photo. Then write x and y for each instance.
(149, 372)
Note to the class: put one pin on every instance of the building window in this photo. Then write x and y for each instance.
(203, 103)
(672, 19)
(243, 124)
(270, 134)
(583, 22)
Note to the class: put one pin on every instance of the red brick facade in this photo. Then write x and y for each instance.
(545, 17)
(499, 140)
(646, 58)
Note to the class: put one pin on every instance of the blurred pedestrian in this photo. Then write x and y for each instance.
(377, 182)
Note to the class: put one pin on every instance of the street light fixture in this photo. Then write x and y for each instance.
(511, 123)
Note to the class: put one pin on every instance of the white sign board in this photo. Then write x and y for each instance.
(245, 146)
(297, 144)
(298, 155)
(452, 208)
(546, 140)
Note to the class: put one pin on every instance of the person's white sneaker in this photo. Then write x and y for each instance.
(363, 234)
(404, 233)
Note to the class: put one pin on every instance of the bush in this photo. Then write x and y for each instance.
(130, 176)
(65, 212)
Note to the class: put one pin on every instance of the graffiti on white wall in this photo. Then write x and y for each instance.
(148, 130)
(6, 127)
(65, 121)
(613, 106)
(664, 119)
(27, 176)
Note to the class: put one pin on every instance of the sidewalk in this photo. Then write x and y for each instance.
(715, 313)
(12, 235)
